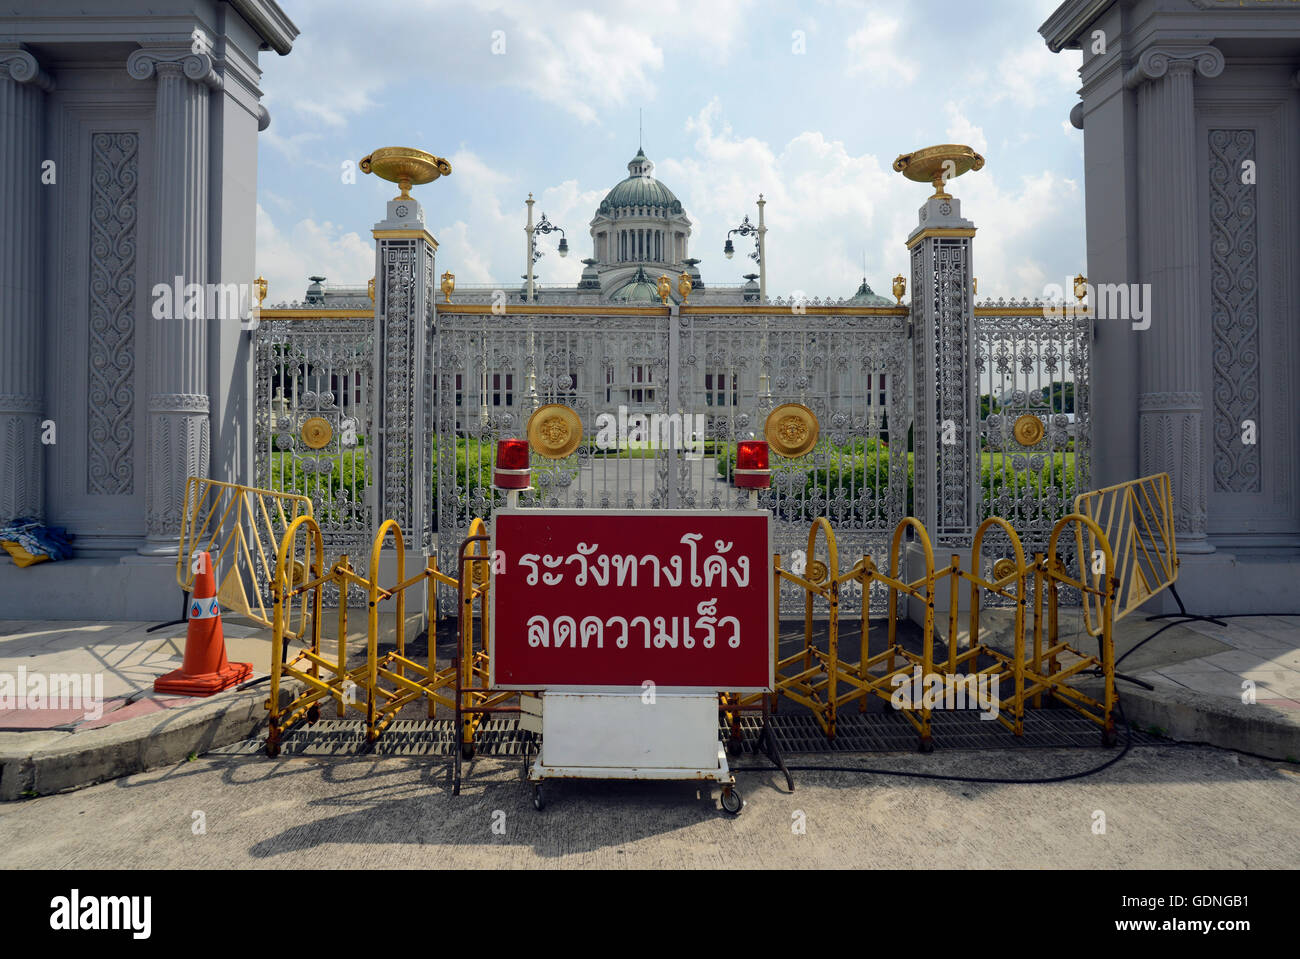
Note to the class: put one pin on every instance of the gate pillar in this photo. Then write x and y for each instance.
(946, 439)
(402, 449)
(404, 256)
(946, 465)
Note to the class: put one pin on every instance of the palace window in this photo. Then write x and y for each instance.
(642, 389)
(499, 391)
(721, 389)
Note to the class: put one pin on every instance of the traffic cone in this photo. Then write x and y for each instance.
(205, 670)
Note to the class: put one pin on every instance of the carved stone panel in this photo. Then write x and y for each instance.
(1234, 306)
(111, 353)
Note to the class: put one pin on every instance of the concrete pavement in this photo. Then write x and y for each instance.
(1198, 670)
(1162, 807)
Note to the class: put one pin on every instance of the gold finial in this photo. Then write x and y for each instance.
(665, 288)
(684, 286)
(900, 287)
(260, 286)
(939, 164)
(976, 284)
(1080, 287)
(405, 166)
(370, 289)
(448, 285)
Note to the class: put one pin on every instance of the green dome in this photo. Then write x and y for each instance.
(868, 297)
(639, 289)
(640, 189)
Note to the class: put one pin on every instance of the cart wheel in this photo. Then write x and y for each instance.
(313, 715)
(734, 747)
(732, 802)
(925, 746)
(538, 801)
(1109, 737)
(272, 749)
(466, 750)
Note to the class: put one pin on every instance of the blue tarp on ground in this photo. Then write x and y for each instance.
(53, 542)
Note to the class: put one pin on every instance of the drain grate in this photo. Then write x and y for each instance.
(795, 735)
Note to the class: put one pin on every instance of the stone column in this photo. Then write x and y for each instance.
(946, 429)
(22, 104)
(404, 305)
(1170, 401)
(179, 437)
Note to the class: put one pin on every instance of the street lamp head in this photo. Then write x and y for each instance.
(729, 249)
(564, 246)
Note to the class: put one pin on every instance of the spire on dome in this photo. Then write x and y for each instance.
(640, 164)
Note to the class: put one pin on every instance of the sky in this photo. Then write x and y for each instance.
(808, 103)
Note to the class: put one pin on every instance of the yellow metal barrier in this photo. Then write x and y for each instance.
(377, 688)
(1137, 518)
(824, 681)
(474, 698)
(1047, 673)
(240, 527)
(321, 677)
(820, 679)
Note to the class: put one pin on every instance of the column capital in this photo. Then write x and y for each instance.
(1157, 61)
(18, 64)
(160, 58)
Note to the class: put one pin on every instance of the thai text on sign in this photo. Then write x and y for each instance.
(681, 599)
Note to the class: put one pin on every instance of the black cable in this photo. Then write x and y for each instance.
(1128, 743)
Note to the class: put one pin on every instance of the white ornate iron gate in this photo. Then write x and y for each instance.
(1032, 362)
(702, 378)
(314, 420)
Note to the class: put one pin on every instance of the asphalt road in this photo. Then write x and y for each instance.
(1164, 807)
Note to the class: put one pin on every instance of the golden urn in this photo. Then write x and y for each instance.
(405, 166)
(939, 164)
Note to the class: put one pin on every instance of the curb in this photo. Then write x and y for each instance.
(131, 746)
(1187, 716)
(1182, 714)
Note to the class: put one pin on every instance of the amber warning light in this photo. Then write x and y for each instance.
(751, 465)
(511, 471)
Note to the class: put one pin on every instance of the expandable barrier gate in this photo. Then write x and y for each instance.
(381, 686)
(1040, 663)
(825, 682)
(240, 527)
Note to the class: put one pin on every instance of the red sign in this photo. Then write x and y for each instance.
(682, 599)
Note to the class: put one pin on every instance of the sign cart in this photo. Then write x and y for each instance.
(629, 625)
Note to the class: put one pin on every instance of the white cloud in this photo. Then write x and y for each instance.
(307, 248)
(874, 52)
(580, 60)
(828, 207)
(1031, 76)
(492, 248)
(961, 130)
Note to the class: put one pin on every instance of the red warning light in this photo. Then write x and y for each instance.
(511, 470)
(752, 465)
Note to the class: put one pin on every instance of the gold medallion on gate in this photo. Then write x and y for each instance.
(791, 430)
(317, 432)
(817, 571)
(1028, 430)
(554, 431)
(1004, 568)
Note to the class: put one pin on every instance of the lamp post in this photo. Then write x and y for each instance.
(760, 251)
(532, 229)
(534, 254)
